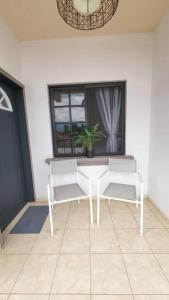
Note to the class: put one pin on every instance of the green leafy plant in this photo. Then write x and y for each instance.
(88, 136)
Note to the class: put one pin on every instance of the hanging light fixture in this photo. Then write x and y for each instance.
(87, 14)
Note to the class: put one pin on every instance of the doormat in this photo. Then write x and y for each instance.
(32, 220)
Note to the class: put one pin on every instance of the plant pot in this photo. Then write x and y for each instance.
(89, 153)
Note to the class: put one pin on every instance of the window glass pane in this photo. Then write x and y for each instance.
(62, 131)
(78, 149)
(78, 114)
(77, 98)
(76, 127)
(60, 99)
(62, 114)
(64, 147)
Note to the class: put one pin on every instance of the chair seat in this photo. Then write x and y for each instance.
(69, 191)
(120, 191)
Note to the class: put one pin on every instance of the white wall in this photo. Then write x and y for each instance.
(9, 51)
(159, 138)
(119, 57)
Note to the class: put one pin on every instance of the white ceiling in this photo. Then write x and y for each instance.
(39, 19)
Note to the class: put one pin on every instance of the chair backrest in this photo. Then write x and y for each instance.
(122, 165)
(123, 171)
(63, 172)
(63, 166)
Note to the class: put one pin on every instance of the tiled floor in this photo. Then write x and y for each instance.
(80, 262)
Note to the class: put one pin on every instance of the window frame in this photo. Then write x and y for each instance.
(79, 87)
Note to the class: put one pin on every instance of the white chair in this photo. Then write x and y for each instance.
(67, 183)
(121, 182)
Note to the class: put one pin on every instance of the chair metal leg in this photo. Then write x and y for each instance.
(142, 213)
(98, 203)
(98, 210)
(51, 219)
(90, 202)
(50, 211)
(78, 201)
(91, 209)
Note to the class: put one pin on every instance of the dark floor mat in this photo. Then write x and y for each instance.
(32, 220)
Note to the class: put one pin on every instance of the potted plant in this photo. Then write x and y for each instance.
(87, 137)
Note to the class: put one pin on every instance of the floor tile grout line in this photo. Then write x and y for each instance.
(127, 213)
(154, 215)
(114, 228)
(59, 252)
(161, 267)
(149, 242)
(123, 262)
(19, 272)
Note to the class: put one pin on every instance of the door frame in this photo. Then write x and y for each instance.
(22, 87)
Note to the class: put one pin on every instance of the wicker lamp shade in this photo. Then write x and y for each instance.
(89, 20)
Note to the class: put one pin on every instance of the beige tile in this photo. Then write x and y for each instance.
(108, 274)
(78, 221)
(147, 201)
(36, 275)
(104, 208)
(158, 240)
(152, 297)
(72, 275)
(118, 207)
(112, 297)
(104, 241)
(82, 202)
(10, 266)
(134, 209)
(19, 243)
(150, 221)
(28, 297)
(4, 297)
(75, 241)
(82, 207)
(124, 221)
(48, 244)
(61, 209)
(131, 242)
(163, 219)
(155, 210)
(163, 260)
(59, 222)
(105, 222)
(145, 275)
(69, 297)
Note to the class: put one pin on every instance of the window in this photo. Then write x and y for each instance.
(72, 107)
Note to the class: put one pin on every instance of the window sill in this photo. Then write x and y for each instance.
(94, 161)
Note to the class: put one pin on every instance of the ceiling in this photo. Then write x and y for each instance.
(39, 19)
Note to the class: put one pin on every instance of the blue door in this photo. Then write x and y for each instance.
(16, 187)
